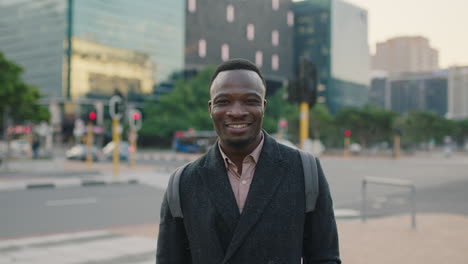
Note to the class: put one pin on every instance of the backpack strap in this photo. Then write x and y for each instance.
(309, 166)
(173, 195)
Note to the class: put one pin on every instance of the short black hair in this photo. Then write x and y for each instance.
(237, 64)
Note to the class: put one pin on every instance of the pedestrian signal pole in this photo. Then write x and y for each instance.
(90, 138)
(396, 143)
(115, 111)
(304, 91)
(135, 120)
(347, 141)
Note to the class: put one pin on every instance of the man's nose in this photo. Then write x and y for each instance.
(236, 110)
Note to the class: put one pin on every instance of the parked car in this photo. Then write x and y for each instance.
(108, 151)
(79, 152)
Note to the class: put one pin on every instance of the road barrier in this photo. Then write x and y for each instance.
(389, 182)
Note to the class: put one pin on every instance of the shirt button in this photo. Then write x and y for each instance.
(243, 181)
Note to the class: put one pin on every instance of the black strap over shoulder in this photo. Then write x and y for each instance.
(309, 165)
(173, 195)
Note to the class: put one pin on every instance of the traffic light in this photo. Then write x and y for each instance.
(304, 88)
(91, 115)
(308, 82)
(347, 133)
(135, 119)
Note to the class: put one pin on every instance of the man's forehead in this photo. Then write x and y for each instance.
(238, 78)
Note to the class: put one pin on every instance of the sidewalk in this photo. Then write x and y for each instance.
(59, 172)
(438, 238)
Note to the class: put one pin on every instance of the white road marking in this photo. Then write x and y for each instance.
(78, 201)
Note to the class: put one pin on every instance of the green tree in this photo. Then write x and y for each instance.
(421, 126)
(17, 98)
(185, 107)
(368, 124)
(279, 108)
(461, 131)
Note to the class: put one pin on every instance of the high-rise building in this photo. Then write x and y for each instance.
(458, 92)
(333, 34)
(424, 91)
(260, 31)
(116, 45)
(405, 54)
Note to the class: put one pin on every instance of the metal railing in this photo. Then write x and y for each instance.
(389, 182)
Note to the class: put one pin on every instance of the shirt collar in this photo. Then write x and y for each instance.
(255, 154)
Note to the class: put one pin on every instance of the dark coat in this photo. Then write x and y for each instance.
(272, 228)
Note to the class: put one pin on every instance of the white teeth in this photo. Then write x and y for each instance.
(238, 126)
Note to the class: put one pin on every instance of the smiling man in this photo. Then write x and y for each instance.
(244, 200)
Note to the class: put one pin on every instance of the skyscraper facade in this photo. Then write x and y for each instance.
(405, 54)
(260, 31)
(425, 91)
(116, 45)
(333, 34)
(458, 92)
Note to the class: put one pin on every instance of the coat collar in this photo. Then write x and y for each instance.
(268, 174)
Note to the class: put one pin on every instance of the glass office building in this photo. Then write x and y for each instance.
(333, 35)
(32, 35)
(117, 45)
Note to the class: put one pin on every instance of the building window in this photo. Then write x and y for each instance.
(275, 4)
(259, 58)
(192, 6)
(202, 48)
(275, 62)
(250, 32)
(290, 18)
(230, 13)
(275, 37)
(225, 52)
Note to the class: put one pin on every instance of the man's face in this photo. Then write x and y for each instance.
(237, 106)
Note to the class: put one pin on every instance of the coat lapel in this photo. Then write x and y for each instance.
(214, 176)
(268, 174)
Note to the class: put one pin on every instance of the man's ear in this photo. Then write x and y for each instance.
(209, 107)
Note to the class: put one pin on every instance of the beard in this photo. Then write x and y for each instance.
(238, 144)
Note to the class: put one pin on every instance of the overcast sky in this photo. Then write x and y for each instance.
(443, 22)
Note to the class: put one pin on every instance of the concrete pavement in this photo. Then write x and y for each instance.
(439, 238)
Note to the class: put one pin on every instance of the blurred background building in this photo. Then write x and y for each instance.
(423, 91)
(405, 54)
(260, 31)
(333, 34)
(458, 92)
(115, 44)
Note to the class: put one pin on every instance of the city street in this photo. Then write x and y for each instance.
(109, 217)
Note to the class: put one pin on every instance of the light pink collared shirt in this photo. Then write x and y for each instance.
(240, 183)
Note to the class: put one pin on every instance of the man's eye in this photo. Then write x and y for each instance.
(221, 101)
(253, 101)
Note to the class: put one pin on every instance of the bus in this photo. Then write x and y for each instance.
(192, 141)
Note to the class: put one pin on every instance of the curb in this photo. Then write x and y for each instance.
(63, 184)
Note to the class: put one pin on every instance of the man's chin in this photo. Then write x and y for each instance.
(239, 143)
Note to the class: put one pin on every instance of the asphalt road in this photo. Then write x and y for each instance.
(42, 211)
(441, 186)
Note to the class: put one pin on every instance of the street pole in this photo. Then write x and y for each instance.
(6, 136)
(304, 124)
(69, 44)
(89, 143)
(133, 146)
(346, 146)
(115, 139)
(396, 147)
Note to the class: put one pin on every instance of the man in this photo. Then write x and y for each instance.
(243, 201)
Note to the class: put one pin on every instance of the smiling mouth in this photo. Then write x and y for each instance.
(237, 125)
